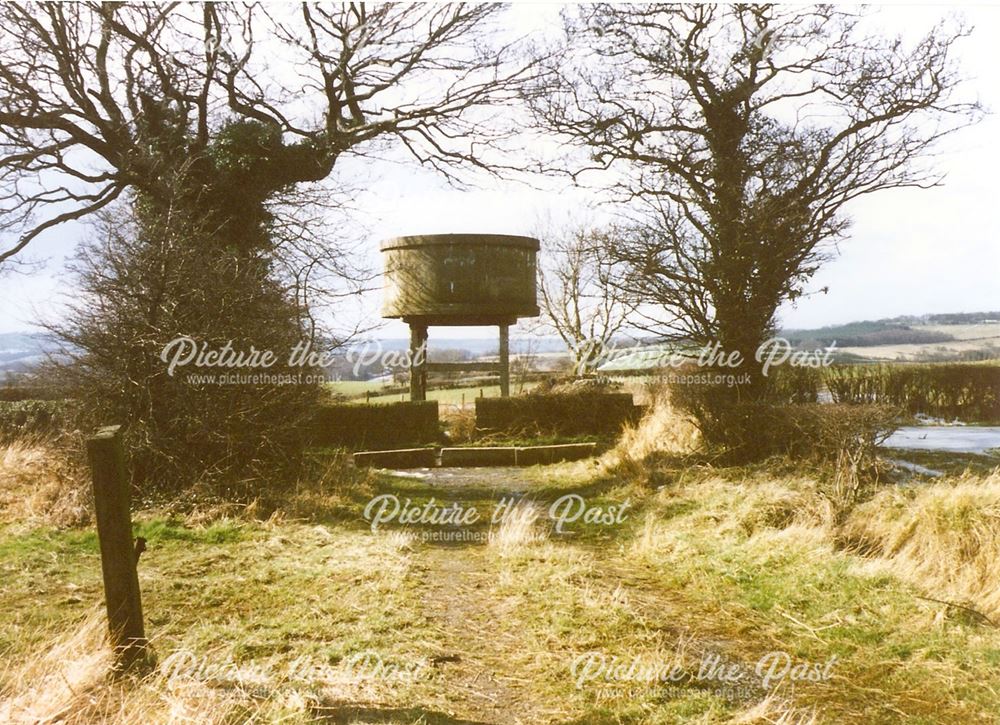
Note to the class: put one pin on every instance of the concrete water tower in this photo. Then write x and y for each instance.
(459, 279)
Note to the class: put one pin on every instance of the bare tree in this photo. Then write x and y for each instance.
(741, 133)
(233, 101)
(213, 132)
(582, 299)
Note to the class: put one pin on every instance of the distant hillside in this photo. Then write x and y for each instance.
(903, 330)
(20, 351)
(926, 338)
(865, 334)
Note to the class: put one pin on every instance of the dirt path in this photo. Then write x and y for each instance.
(485, 670)
(500, 479)
(456, 592)
(475, 672)
(489, 669)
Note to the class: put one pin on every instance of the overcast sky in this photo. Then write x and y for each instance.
(908, 251)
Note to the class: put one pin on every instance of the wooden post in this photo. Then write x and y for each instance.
(504, 361)
(119, 553)
(418, 362)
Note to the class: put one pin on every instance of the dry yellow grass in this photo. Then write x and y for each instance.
(71, 683)
(662, 430)
(774, 531)
(519, 527)
(52, 687)
(769, 546)
(198, 681)
(39, 485)
(775, 710)
(758, 506)
(944, 538)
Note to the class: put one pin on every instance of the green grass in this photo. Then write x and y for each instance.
(765, 590)
(354, 388)
(247, 595)
(734, 563)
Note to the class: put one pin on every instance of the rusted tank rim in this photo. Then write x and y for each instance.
(467, 240)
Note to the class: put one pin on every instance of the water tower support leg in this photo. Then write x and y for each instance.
(504, 361)
(418, 362)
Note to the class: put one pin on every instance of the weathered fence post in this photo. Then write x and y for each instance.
(119, 554)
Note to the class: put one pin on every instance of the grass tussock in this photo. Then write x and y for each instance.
(41, 484)
(663, 430)
(903, 589)
(519, 527)
(757, 505)
(52, 686)
(944, 538)
(72, 683)
(460, 423)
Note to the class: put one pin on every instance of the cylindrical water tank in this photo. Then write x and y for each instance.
(460, 278)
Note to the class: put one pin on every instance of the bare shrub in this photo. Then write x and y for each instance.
(145, 281)
(842, 438)
(460, 423)
(662, 430)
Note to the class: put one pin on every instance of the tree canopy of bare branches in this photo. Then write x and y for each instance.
(739, 134)
(581, 293)
(241, 100)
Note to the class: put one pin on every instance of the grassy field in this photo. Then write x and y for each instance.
(884, 614)
(446, 396)
(968, 338)
(355, 388)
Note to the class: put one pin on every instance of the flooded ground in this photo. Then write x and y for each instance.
(958, 439)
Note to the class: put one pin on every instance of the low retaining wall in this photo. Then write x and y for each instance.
(391, 425)
(474, 457)
(401, 458)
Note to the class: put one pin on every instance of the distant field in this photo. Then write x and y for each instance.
(984, 330)
(968, 338)
(448, 396)
(352, 388)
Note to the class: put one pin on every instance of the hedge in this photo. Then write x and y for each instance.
(967, 391)
(375, 426)
(26, 417)
(582, 413)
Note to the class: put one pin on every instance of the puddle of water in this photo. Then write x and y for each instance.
(915, 468)
(958, 439)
